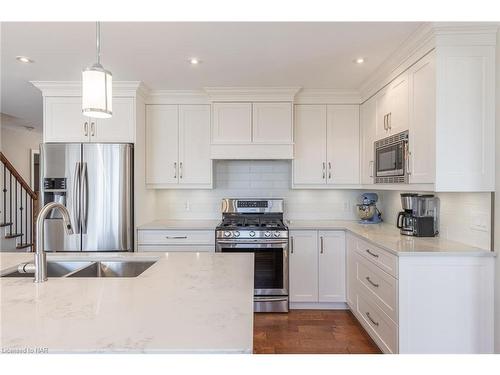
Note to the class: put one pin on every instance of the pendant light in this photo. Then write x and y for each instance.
(97, 82)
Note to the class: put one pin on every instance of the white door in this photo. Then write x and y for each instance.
(120, 128)
(232, 123)
(343, 144)
(64, 121)
(303, 264)
(332, 266)
(368, 119)
(162, 139)
(398, 104)
(272, 123)
(309, 165)
(195, 165)
(382, 113)
(423, 121)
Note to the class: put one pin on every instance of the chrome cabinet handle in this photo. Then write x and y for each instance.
(180, 169)
(372, 254)
(329, 170)
(324, 170)
(371, 319)
(385, 122)
(322, 248)
(371, 282)
(370, 167)
(86, 129)
(389, 120)
(291, 245)
(175, 169)
(176, 237)
(92, 129)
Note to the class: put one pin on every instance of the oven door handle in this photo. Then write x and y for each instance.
(269, 299)
(256, 242)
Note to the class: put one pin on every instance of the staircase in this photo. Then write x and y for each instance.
(18, 208)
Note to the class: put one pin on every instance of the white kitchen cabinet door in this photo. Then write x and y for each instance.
(303, 264)
(272, 123)
(332, 266)
(351, 287)
(423, 121)
(195, 165)
(120, 128)
(64, 121)
(382, 113)
(368, 119)
(162, 140)
(232, 123)
(398, 99)
(343, 144)
(309, 165)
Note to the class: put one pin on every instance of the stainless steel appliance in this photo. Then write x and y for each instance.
(392, 159)
(256, 226)
(420, 215)
(95, 183)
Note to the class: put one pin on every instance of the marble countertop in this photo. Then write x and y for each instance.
(184, 303)
(180, 225)
(388, 237)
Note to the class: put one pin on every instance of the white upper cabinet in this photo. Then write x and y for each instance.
(342, 144)
(309, 164)
(368, 119)
(272, 123)
(120, 128)
(232, 123)
(326, 146)
(162, 145)
(303, 266)
(392, 107)
(64, 121)
(195, 166)
(178, 146)
(332, 266)
(422, 77)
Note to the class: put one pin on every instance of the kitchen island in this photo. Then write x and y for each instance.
(184, 303)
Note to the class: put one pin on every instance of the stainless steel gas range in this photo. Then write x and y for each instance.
(256, 226)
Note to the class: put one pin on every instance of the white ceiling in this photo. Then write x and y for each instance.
(310, 55)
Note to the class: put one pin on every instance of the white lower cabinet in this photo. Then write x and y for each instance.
(317, 266)
(176, 240)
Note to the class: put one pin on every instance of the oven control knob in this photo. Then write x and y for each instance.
(227, 234)
(252, 233)
(277, 234)
(267, 234)
(236, 234)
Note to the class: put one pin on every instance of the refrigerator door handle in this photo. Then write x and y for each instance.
(85, 192)
(76, 199)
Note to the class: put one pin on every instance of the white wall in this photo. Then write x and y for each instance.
(497, 203)
(17, 143)
(460, 214)
(262, 178)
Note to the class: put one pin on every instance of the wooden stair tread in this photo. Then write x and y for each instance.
(13, 235)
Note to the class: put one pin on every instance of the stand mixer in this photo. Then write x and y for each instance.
(367, 209)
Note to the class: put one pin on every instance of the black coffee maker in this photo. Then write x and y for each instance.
(420, 215)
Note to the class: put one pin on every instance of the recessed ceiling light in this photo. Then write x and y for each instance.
(194, 61)
(359, 60)
(24, 59)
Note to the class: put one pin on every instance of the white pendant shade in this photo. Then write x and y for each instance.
(97, 95)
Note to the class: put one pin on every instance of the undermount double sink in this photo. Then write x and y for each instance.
(115, 268)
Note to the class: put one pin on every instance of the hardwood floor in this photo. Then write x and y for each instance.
(311, 332)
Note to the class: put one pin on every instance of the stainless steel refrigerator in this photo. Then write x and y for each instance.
(95, 183)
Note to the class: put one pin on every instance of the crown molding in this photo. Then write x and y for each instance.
(327, 96)
(74, 88)
(251, 94)
(465, 33)
(177, 97)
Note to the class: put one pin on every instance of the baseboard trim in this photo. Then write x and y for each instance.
(318, 306)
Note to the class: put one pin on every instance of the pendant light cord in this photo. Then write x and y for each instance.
(98, 40)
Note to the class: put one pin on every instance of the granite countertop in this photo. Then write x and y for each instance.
(184, 303)
(180, 225)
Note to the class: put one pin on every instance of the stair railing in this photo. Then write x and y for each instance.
(19, 206)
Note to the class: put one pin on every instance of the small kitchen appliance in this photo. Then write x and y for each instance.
(392, 159)
(256, 226)
(367, 210)
(420, 215)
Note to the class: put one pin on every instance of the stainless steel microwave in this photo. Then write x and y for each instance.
(391, 159)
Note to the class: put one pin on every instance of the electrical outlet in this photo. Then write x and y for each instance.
(347, 206)
(479, 222)
(187, 206)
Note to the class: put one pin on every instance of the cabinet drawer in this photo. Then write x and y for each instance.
(386, 261)
(176, 248)
(382, 286)
(176, 237)
(382, 329)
